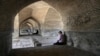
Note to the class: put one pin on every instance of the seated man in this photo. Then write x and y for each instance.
(62, 39)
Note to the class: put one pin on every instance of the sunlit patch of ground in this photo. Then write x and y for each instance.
(22, 43)
(30, 41)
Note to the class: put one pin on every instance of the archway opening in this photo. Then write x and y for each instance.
(29, 27)
(37, 18)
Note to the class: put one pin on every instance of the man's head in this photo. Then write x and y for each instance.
(60, 32)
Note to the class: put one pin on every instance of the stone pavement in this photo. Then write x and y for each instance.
(22, 43)
(53, 50)
(29, 41)
(24, 46)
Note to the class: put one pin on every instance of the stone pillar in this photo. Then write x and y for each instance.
(5, 35)
(5, 43)
(6, 27)
(16, 27)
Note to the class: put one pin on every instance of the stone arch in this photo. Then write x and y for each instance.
(31, 19)
(9, 8)
(25, 28)
(7, 25)
(35, 25)
(30, 10)
(23, 14)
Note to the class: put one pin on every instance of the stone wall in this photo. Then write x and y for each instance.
(78, 15)
(89, 41)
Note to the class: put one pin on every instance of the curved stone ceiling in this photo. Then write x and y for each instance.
(53, 20)
(77, 15)
(37, 10)
(24, 13)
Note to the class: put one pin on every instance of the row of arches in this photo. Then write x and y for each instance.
(69, 9)
(38, 16)
(30, 26)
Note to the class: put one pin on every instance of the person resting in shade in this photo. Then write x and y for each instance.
(62, 39)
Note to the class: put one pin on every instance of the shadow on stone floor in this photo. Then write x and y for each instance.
(50, 51)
